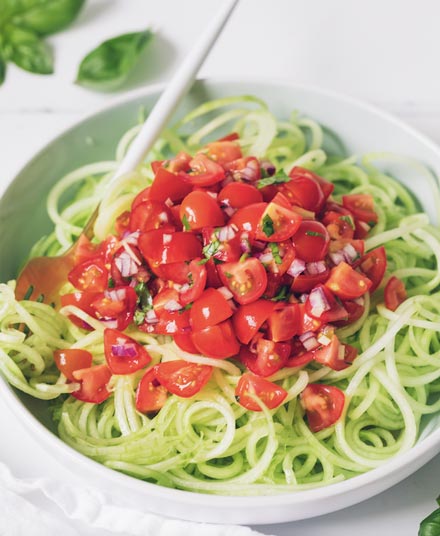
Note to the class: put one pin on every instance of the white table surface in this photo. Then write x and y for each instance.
(383, 52)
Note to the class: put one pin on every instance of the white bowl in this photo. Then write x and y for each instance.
(362, 128)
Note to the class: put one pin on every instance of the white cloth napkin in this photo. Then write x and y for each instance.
(20, 517)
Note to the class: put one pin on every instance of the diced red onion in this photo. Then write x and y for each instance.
(265, 258)
(226, 233)
(225, 292)
(229, 211)
(184, 287)
(296, 268)
(318, 301)
(250, 173)
(212, 194)
(311, 344)
(111, 323)
(317, 267)
(268, 167)
(341, 352)
(360, 301)
(168, 202)
(337, 257)
(245, 245)
(303, 298)
(324, 339)
(259, 245)
(172, 305)
(227, 180)
(126, 265)
(307, 335)
(124, 350)
(131, 238)
(350, 253)
(115, 295)
(151, 317)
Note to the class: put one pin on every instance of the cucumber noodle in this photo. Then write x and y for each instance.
(210, 443)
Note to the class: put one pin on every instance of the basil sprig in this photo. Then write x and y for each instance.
(430, 526)
(108, 65)
(23, 24)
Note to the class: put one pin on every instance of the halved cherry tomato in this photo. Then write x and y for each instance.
(184, 342)
(183, 378)
(361, 206)
(91, 275)
(269, 358)
(150, 394)
(142, 196)
(277, 223)
(308, 323)
(203, 172)
(179, 163)
(304, 190)
(298, 355)
(244, 169)
(339, 225)
(123, 354)
(323, 404)
(199, 210)
(354, 311)
(150, 215)
(117, 304)
(248, 319)
(94, 382)
(164, 298)
(196, 280)
(280, 256)
(217, 341)
(331, 355)
(250, 386)
(322, 304)
(346, 283)
(394, 293)
(170, 323)
(374, 264)
(246, 280)
(163, 247)
(339, 245)
(311, 241)
(72, 359)
(239, 194)
(306, 282)
(168, 185)
(247, 218)
(222, 152)
(285, 322)
(209, 309)
(83, 301)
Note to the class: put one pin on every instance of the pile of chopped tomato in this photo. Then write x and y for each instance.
(232, 259)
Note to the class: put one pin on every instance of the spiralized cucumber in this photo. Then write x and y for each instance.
(210, 443)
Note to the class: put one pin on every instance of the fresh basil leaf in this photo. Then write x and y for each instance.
(28, 51)
(430, 526)
(44, 16)
(275, 179)
(108, 66)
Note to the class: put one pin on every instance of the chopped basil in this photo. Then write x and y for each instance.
(185, 222)
(282, 295)
(145, 300)
(268, 228)
(190, 278)
(430, 526)
(243, 257)
(279, 178)
(348, 219)
(139, 317)
(211, 249)
(186, 308)
(276, 252)
(314, 233)
(227, 274)
(203, 261)
(111, 283)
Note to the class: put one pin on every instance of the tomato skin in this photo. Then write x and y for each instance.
(209, 309)
(182, 378)
(311, 241)
(90, 275)
(285, 322)
(336, 312)
(247, 218)
(170, 323)
(94, 382)
(150, 394)
(306, 282)
(324, 405)
(394, 293)
(116, 304)
(223, 151)
(308, 323)
(354, 312)
(72, 359)
(329, 355)
(136, 356)
(142, 196)
(361, 206)
(246, 280)
(304, 190)
(374, 264)
(204, 172)
(239, 195)
(168, 185)
(196, 278)
(83, 301)
(248, 319)
(217, 341)
(163, 247)
(270, 357)
(347, 283)
(184, 342)
(277, 223)
(271, 394)
(199, 210)
(150, 215)
(212, 279)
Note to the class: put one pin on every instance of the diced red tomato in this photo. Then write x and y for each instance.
(250, 386)
(72, 359)
(142, 196)
(246, 280)
(181, 162)
(270, 357)
(277, 223)
(226, 249)
(394, 293)
(308, 323)
(203, 172)
(281, 256)
(361, 206)
(183, 378)
(339, 225)
(248, 319)
(239, 195)
(347, 283)
(150, 394)
(199, 210)
(304, 190)
(217, 341)
(168, 185)
(184, 342)
(166, 299)
(150, 215)
(163, 247)
(84, 250)
(170, 323)
(374, 264)
(209, 309)
(322, 304)
(247, 218)
(354, 311)
(94, 381)
(306, 282)
(116, 304)
(223, 152)
(123, 354)
(244, 169)
(311, 241)
(196, 281)
(324, 405)
(331, 355)
(90, 275)
(285, 322)
(83, 301)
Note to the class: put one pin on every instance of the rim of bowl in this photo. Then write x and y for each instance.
(412, 459)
